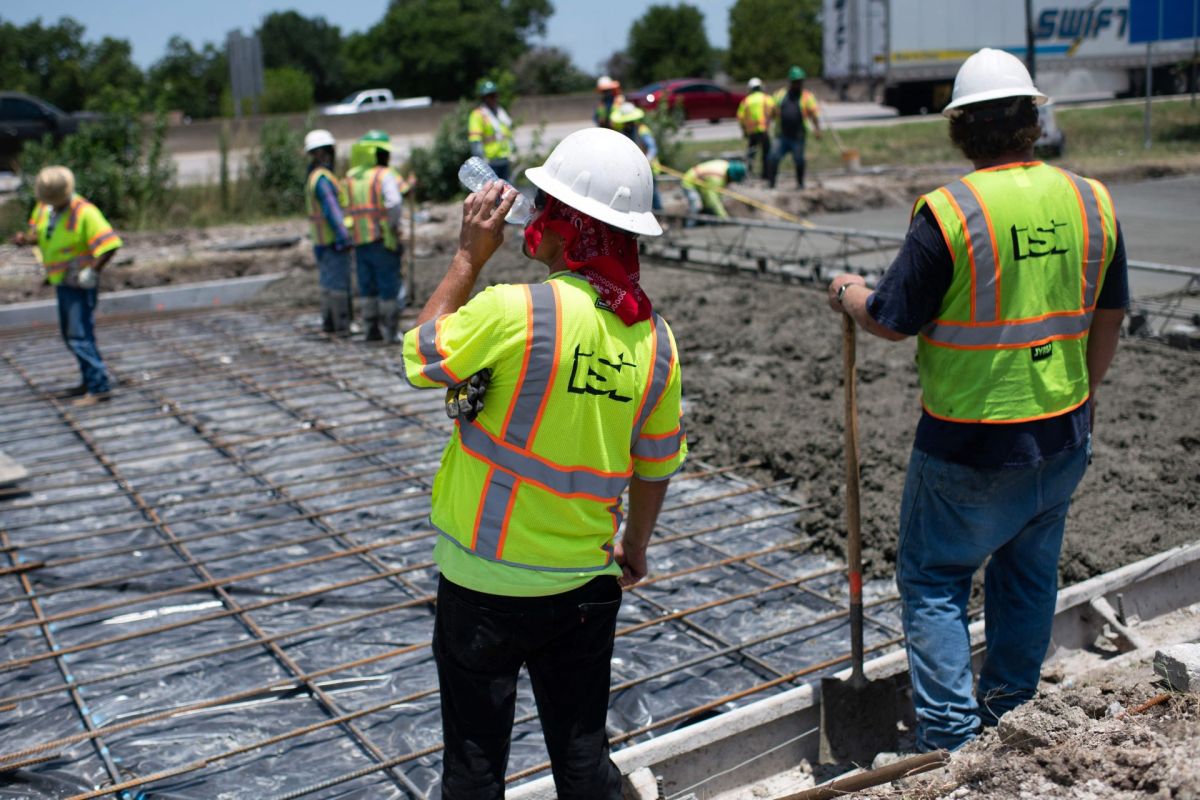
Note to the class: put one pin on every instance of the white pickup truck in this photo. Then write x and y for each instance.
(374, 100)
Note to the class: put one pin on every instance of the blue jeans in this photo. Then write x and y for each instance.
(77, 323)
(333, 268)
(378, 271)
(781, 147)
(952, 518)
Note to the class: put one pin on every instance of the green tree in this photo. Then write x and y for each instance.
(549, 70)
(120, 162)
(768, 36)
(442, 48)
(286, 89)
(277, 169)
(669, 42)
(308, 44)
(45, 60)
(109, 65)
(188, 79)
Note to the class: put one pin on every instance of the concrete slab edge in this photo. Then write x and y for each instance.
(771, 735)
(181, 297)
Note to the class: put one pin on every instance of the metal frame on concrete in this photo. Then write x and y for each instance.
(235, 550)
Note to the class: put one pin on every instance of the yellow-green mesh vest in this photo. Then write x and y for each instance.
(708, 174)
(1031, 246)
(510, 488)
(320, 230)
(752, 113)
(484, 126)
(366, 216)
(67, 246)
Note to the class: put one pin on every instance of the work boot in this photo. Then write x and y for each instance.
(327, 311)
(370, 319)
(74, 391)
(91, 399)
(342, 312)
(389, 320)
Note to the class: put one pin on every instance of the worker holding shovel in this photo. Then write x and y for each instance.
(1014, 277)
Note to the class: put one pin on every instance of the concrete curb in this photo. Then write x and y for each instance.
(134, 301)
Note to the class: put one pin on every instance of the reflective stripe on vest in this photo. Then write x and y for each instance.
(367, 213)
(320, 229)
(988, 330)
(509, 455)
(428, 350)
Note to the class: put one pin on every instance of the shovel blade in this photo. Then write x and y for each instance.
(858, 719)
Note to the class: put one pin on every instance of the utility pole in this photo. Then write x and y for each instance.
(1030, 41)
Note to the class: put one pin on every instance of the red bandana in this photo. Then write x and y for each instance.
(606, 256)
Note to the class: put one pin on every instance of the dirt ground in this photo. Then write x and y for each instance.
(762, 376)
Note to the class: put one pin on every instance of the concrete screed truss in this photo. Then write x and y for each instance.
(219, 583)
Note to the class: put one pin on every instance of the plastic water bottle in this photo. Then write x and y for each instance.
(475, 172)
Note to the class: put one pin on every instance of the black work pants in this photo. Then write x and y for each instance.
(480, 642)
(755, 143)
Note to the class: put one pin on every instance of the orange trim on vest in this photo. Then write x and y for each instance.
(1006, 421)
(970, 244)
(524, 362)
(437, 335)
(558, 337)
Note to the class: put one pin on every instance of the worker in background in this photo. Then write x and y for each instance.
(610, 98)
(630, 120)
(489, 130)
(755, 113)
(1014, 278)
(324, 199)
(703, 182)
(583, 401)
(798, 113)
(374, 220)
(74, 242)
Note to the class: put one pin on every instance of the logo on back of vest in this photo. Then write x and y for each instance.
(1037, 242)
(1042, 351)
(597, 375)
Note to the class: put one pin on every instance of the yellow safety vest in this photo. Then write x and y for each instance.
(809, 110)
(754, 112)
(578, 402)
(484, 126)
(319, 228)
(366, 215)
(80, 234)
(707, 174)
(1031, 246)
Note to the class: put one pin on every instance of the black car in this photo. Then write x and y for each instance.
(24, 117)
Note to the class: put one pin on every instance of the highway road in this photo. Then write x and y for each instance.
(204, 166)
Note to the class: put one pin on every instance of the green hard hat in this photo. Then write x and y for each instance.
(797, 74)
(736, 171)
(376, 139)
(486, 87)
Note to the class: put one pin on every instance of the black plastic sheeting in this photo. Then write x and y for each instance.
(212, 410)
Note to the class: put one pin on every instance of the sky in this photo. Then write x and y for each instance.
(590, 31)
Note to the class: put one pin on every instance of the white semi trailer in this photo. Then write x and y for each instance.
(913, 48)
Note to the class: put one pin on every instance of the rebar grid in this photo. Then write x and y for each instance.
(302, 437)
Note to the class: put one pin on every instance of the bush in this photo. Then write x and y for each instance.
(549, 70)
(120, 162)
(666, 124)
(286, 89)
(277, 169)
(436, 167)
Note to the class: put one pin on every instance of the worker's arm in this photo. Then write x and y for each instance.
(1103, 337)
(331, 209)
(645, 503)
(104, 258)
(854, 303)
(481, 233)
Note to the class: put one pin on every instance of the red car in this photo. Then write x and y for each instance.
(700, 98)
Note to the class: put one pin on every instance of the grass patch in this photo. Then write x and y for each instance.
(1096, 137)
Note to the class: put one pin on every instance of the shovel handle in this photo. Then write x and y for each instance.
(853, 525)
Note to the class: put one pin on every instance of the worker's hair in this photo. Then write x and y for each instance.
(54, 185)
(996, 128)
(382, 157)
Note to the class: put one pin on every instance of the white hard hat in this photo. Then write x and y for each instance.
(991, 75)
(754, 83)
(603, 174)
(318, 138)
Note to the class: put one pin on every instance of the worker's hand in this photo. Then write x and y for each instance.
(483, 222)
(632, 561)
(20, 238)
(837, 283)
